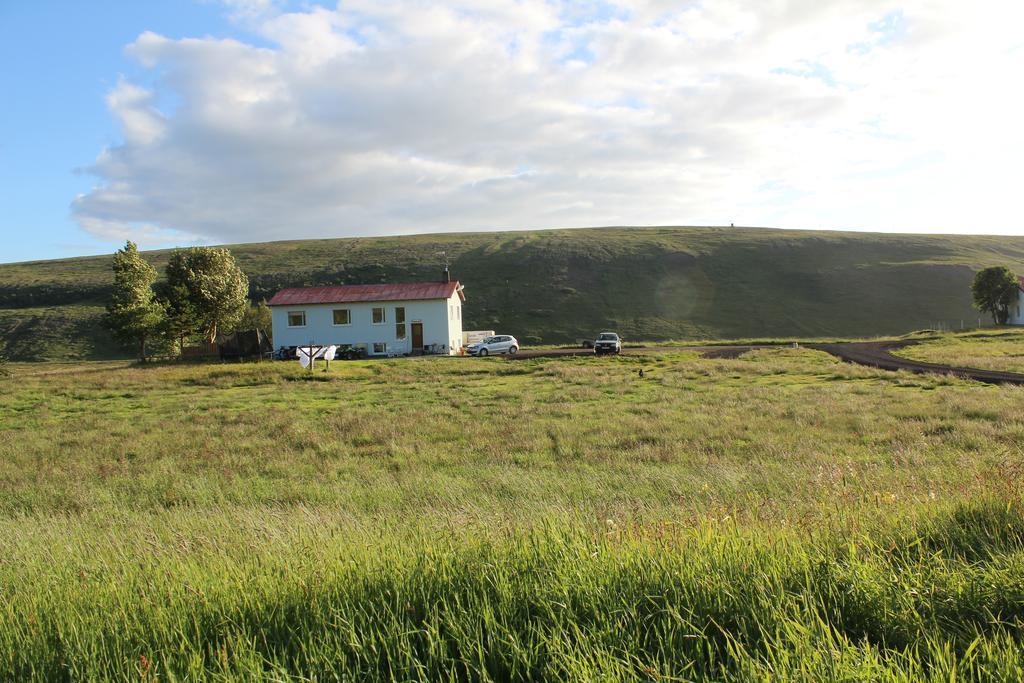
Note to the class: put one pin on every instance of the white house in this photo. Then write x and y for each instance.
(1017, 307)
(385, 319)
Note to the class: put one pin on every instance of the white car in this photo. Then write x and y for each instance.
(607, 342)
(499, 343)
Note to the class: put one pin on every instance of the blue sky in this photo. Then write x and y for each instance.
(61, 59)
(176, 122)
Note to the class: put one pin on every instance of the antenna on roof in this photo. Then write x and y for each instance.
(446, 275)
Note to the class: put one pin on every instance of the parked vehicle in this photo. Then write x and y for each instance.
(349, 352)
(499, 343)
(585, 343)
(607, 342)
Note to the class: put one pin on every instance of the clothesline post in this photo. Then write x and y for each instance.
(310, 353)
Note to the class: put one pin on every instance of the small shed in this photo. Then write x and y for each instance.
(243, 344)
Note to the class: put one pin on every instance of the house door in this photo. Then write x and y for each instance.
(417, 336)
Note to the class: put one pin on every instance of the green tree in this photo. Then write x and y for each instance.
(206, 290)
(256, 317)
(134, 316)
(182, 317)
(994, 289)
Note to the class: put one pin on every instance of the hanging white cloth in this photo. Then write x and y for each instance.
(307, 355)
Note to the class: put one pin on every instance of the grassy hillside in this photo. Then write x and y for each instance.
(559, 285)
(779, 516)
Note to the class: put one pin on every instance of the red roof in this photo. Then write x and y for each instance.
(1020, 282)
(343, 294)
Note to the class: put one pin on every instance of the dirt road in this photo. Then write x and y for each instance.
(724, 351)
(873, 354)
(878, 355)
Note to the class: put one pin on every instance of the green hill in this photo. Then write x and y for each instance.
(559, 285)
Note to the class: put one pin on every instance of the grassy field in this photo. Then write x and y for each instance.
(781, 515)
(560, 285)
(998, 349)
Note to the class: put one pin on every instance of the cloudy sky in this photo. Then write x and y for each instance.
(173, 122)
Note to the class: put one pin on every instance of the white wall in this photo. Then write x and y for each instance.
(1017, 311)
(439, 327)
(454, 323)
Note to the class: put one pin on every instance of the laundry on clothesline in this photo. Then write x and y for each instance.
(308, 354)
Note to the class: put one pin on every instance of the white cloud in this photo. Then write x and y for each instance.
(382, 117)
(134, 107)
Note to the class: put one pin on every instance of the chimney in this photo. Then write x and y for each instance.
(447, 276)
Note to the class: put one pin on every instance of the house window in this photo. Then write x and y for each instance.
(380, 347)
(342, 316)
(400, 322)
(378, 316)
(296, 318)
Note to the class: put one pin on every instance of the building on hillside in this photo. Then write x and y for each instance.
(383, 320)
(1017, 307)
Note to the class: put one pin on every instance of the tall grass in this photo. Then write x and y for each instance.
(244, 597)
(777, 516)
(784, 435)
